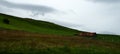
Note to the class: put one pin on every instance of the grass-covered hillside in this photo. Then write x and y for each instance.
(28, 36)
(36, 26)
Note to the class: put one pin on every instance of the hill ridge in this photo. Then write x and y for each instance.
(31, 25)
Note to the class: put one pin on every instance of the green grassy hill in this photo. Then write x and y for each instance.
(36, 26)
(28, 36)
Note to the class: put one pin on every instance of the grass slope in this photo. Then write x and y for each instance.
(36, 26)
(28, 36)
(20, 42)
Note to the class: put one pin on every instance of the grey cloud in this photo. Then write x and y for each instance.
(107, 32)
(4, 9)
(65, 23)
(33, 8)
(107, 1)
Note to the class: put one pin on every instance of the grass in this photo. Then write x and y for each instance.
(109, 38)
(60, 50)
(35, 26)
(21, 42)
(28, 36)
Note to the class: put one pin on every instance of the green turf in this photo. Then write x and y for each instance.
(36, 26)
(109, 38)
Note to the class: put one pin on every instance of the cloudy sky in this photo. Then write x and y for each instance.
(101, 16)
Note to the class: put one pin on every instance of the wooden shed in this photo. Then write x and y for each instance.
(87, 34)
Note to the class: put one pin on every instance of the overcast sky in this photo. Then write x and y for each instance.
(101, 16)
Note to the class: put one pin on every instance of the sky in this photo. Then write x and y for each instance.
(101, 16)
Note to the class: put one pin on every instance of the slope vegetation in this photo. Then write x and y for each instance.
(28, 36)
(30, 25)
(21, 42)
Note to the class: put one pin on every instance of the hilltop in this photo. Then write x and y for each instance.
(36, 26)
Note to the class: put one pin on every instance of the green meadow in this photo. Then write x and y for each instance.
(28, 36)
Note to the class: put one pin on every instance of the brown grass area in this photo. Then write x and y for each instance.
(15, 38)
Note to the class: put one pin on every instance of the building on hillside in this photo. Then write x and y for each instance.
(86, 34)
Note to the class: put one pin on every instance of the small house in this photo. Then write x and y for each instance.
(86, 34)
